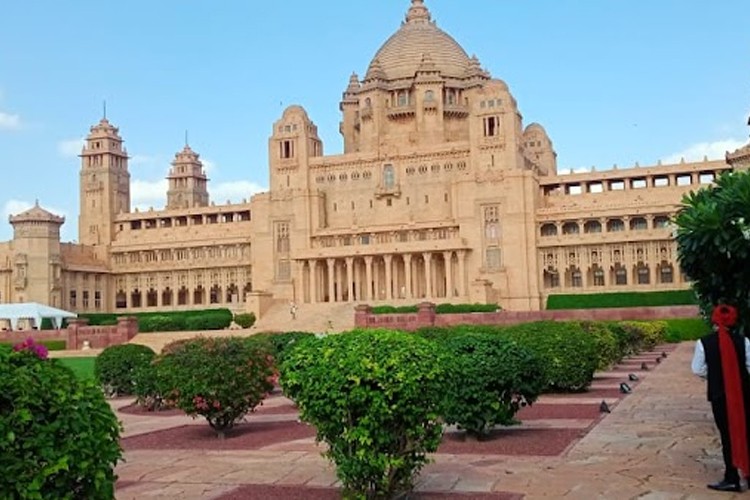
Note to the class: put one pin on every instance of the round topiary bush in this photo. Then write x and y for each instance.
(116, 367)
(568, 354)
(374, 397)
(58, 436)
(245, 320)
(491, 379)
(608, 348)
(220, 379)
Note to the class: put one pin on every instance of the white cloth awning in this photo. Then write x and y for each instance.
(35, 311)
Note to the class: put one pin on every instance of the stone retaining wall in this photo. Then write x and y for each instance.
(426, 316)
(78, 332)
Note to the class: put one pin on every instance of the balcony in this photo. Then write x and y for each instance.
(456, 110)
(401, 112)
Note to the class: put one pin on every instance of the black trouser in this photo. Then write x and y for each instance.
(720, 417)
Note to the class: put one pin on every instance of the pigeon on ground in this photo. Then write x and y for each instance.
(604, 407)
(632, 377)
(663, 354)
(625, 388)
(644, 366)
(658, 360)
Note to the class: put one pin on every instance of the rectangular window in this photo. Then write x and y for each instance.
(283, 270)
(85, 299)
(287, 149)
(73, 300)
(97, 300)
(491, 126)
(493, 258)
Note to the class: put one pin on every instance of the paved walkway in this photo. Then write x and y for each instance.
(658, 443)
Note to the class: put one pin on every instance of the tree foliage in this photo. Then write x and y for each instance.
(713, 243)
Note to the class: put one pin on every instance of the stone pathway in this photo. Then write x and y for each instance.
(658, 443)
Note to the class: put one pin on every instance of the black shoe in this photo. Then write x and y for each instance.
(725, 485)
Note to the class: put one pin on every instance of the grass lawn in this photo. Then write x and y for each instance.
(83, 367)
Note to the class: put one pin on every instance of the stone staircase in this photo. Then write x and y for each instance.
(318, 318)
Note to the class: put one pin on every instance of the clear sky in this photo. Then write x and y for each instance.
(612, 81)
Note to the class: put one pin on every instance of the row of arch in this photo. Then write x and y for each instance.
(183, 296)
(595, 275)
(612, 225)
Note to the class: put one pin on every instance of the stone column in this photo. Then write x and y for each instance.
(428, 274)
(388, 276)
(300, 288)
(331, 289)
(368, 278)
(448, 258)
(349, 278)
(407, 271)
(461, 273)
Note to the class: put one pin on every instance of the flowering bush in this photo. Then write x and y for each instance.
(39, 350)
(220, 379)
(58, 436)
(117, 366)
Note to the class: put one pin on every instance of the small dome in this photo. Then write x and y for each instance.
(36, 214)
(402, 54)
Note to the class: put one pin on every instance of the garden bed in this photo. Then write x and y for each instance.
(274, 492)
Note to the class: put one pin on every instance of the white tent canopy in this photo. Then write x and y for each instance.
(35, 311)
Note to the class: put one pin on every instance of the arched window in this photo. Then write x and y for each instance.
(638, 224)
(368, 102)
(571, 228)
(615, 225)
(592, 226)
(549, 230)
(403, 98)
(661, 221)
(429, 96)
(389, 177)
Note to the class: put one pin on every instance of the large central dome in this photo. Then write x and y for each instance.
(402, 54)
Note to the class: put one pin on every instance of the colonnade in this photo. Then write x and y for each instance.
(389, 277)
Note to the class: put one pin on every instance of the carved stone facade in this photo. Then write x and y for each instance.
(441, 194)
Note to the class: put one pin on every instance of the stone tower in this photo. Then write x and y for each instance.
(188, 185)
(36, 257)
(740, 159)
(105, 184)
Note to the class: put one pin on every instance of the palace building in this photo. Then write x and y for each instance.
(442, 193)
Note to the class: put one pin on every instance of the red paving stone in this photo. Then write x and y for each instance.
(272, 492)
(591, 393)
(513, 441)
(545, 411)
(246, 436)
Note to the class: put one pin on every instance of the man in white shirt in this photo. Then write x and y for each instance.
(707, 364)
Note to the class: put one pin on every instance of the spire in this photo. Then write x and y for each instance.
(418, 13)
(375, 72)
(104, 110)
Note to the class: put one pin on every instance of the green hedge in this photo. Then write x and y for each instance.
(682, 329)
(622, 299)
(439, 309)
(170, 321)
(51, 345)
(394, 309)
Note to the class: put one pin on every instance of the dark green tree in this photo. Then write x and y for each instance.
(713, 244)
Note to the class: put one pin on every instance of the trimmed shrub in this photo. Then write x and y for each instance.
(209, 320)
(220, 379)
(568, 353)
(491, 379)
(161, 323)
(621, 299)
(647, 333)
(608, 348)
(374, 397)
(245, 320)
(465, 308)
(116, 366)
(60, 438)
(394, 309)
